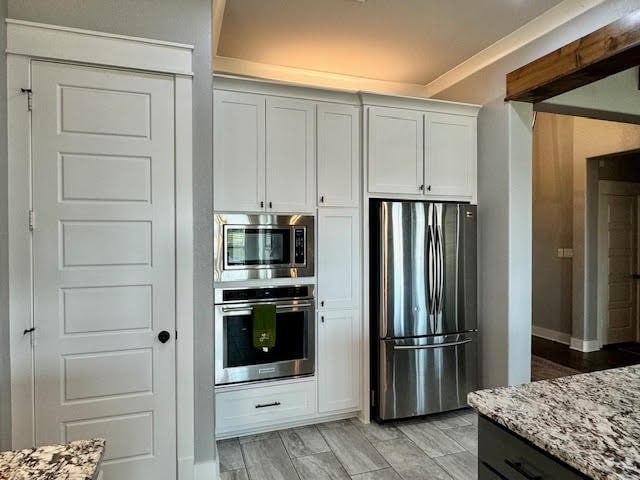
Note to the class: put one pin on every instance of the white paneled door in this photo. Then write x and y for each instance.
(103, 264)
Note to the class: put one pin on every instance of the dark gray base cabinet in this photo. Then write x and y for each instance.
(502, 455)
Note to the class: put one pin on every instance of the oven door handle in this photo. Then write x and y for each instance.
(278, 307)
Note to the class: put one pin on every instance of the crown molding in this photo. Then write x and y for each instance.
(536, 28)
(300, 76)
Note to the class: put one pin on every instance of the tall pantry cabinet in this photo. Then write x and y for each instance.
(338, 258)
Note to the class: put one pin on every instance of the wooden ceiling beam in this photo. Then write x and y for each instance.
(609, 50)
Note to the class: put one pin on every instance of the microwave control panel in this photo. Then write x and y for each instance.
(299, 236)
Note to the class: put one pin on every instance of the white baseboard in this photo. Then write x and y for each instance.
(185, 468)
(551, 334)
(585, 345)
(207, 470)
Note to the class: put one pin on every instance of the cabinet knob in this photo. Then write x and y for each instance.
(322, 303)
(261, 204)
(322, 318)
(429, 188)
(322, 199)
(421, 187)
(270, 204)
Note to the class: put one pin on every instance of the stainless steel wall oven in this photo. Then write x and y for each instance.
(250, 247)
(238, 360)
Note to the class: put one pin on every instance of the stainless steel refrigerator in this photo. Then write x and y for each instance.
(423, 303)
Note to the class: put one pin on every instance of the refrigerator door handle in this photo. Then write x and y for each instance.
(440, 266)
(434, 345)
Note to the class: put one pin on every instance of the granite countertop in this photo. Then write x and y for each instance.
(589, 421)
(78, 460)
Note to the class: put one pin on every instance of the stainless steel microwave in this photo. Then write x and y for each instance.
(249, 247)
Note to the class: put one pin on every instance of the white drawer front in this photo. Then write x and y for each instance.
(260, 406)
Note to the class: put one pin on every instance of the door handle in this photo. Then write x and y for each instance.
(164, 336)
(636, 276)
(430, 346)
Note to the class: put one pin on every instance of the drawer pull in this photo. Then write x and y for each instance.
(265, 405)
(518, 467)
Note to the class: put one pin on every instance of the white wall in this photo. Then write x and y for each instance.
(614, 98)
(5, 378)
(505, 294)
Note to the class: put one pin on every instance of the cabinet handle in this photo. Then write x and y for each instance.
(421, 187)
(518, 467)
(322, 199)
(322, 303)
(265, 405)
(270, 205)
(261, 204)
(429, 188)
(322, 318)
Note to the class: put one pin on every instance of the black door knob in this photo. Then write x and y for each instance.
(164, 336)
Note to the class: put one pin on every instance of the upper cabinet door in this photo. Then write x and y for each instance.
(450, 159)
(290, 155)
(395, 150)
(338, 155)
(238, 151)
(338, 258)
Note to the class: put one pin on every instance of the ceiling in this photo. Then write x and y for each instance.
(407, 41)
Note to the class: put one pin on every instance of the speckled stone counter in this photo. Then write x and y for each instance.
(74, 461)
(589, 421)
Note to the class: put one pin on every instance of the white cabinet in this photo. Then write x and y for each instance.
(395, 150)
(425, 154)
(264, 153)
(450, 155)
(290, 155)
(242, 409)
(339, 360)
(239, 151)
(339, 323)
(338, 137)
(338, 258)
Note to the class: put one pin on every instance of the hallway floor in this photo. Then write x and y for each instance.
(615, 356)
(439, 447)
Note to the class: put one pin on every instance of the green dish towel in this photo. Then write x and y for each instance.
(264, 326)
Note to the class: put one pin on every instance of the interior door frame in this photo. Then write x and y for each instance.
(27, 41)
(607, 187)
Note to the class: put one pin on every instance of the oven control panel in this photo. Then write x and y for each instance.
(299, 246)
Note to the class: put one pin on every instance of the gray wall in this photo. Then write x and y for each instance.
(184, 21)
(500, 319)
(5, 386)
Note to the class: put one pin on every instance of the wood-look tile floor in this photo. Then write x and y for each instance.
(438, 447)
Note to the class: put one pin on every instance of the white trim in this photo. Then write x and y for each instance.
(207, 470)
(585, 345)
(97, 48)
(19, 202)
(549, 334)
(301, 76)
(419, 104)
(82, 48)
(529, 32)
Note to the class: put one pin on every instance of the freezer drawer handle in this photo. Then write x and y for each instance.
(427, 347)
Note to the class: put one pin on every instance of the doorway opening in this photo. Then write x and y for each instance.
(585, 245)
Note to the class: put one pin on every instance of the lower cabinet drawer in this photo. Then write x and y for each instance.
(504, 455)
(251, 408)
